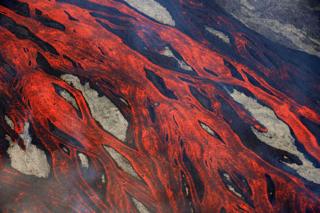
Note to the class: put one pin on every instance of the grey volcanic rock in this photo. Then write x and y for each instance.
(152, 9)
(102, 109)
(278, 135)
(32, 160)
(293, 23)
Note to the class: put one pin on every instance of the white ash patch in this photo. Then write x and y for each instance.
(121, 161)
(31, 161)
(218, 34)
(141, 208)
(278, 135)
(153, 9)
(83, 160)
(102, 109)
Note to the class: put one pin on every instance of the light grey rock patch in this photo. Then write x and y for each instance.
(230, 187)
(9, 122)
(25, 136)
(103, 178)
(141, 208)
(152, 9)
(83, 160)
(31, 161)
(121, 161)
(102, 109)
(278, 135)
(65, 149)
(218, 34)
(186, 188)
(168, 52)
(124, 101)
(207, 129)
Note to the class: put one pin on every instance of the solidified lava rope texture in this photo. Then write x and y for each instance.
(210, 122)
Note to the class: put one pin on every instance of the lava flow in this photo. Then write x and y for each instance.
(161, 106)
